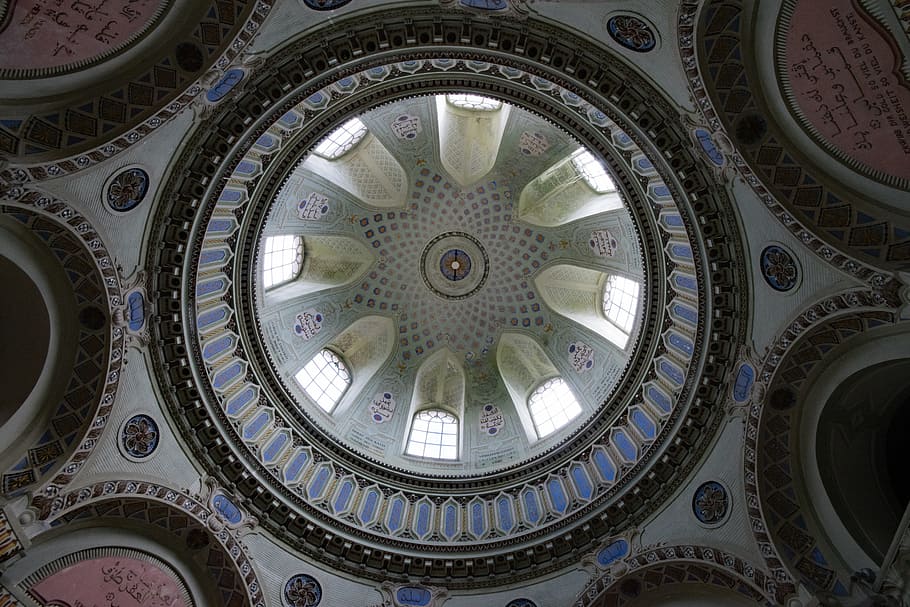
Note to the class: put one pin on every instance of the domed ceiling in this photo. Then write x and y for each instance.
(448, 306)
(455, 258)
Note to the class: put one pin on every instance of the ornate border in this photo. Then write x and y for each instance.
(551, 53)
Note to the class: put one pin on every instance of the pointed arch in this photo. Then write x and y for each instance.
(577, 186)
(367, 170)
(324, 262)
(470, 133)
(437, 408)
(605, 303)
(532, 382)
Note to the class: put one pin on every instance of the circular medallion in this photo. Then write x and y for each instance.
(632, 33)
(139, 436)
(127, 189)
(779, 268)
(302, 590)
(454, 265)
(522, 603)
(325, 5)
(710, 503)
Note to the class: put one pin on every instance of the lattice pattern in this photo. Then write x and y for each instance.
(283, 260)
(474, 102)
(593, 172)
(434, 434)
(552, 406)
(342, 140)
(621, 302)
(324, 378)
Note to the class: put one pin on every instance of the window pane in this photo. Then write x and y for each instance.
(324, 379)
(434, 434)
(593, 172)
(474, 102)
(552, 406)
(342, 140)
(282, 260)
(621, 302)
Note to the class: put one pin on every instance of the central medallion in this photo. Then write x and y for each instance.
(454, 265)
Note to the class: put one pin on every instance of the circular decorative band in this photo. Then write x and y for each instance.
(454, 265)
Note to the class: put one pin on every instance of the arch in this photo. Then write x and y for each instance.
(469, 137)
(368, 171)
(148, 517)
(326, 262)
(363, 347)
(803, 524)
(78, 379)
(583, 295)
(439, 386)
(524, 367)
(565, 192)
(682, 576)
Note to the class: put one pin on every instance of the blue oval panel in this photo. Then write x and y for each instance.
(412, 595)
(612, 553)
(224, 86)
(745, 377)
(227, 509)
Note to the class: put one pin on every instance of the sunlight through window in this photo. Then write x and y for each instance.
(474, 102)
(324, 379)
(621, 302)
(593, 172)
(283, 260)
(434, 434)
(552, 406)
(342, 140)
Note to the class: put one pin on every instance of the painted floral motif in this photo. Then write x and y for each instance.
(127, 189)
(632, 33)
(710, 503)
(455, 264)
(779, 268)
(140, 436)
(302, 590)
(522, 603)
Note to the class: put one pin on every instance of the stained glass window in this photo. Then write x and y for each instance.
(552, 406)
(324, 379)
(434, 434)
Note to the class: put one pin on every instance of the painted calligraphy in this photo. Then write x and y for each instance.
(313, 207)
(491, 419)
(111, 582)
(603, 243)
(54, 33)
(844, 76)
(308, 324)
(382, 407)
(581, 356)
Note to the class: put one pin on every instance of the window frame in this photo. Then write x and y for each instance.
(630, 313)
(267, 256)
(424, 444)
(355, 131)
(582, 159)
(473, 102)
(540, 389)
(345, 370)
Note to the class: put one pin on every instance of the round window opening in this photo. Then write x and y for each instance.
(448, 257)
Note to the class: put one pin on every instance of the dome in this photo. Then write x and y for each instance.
(463, 317)
(447, 253)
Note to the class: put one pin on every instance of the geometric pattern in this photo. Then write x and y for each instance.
(92, 360)
(656, 568)
(860, 231)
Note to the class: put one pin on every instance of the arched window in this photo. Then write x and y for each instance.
(621, 302)
(593, 172)
(434, 434)
(552, 406)
(474, 102)
(324, 379)
(342, 140)
(283, 260)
